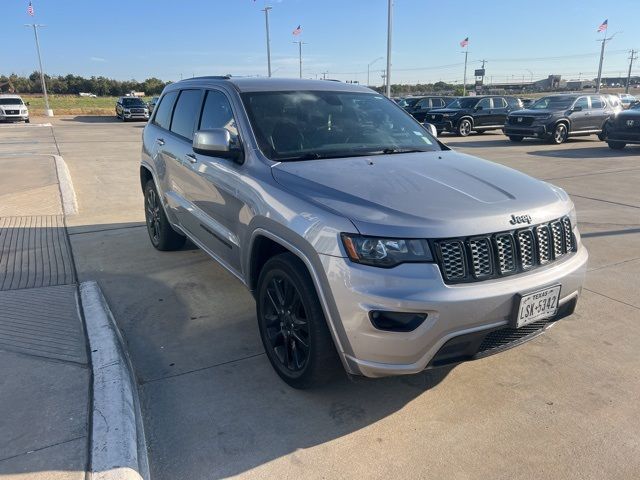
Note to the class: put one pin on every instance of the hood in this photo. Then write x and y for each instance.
(631, 113)
(422, 195)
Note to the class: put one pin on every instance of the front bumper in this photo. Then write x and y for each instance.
(621, 135)
(442, 125)
(13, 118)
(452, 310)
(136, 116)
(537, 131)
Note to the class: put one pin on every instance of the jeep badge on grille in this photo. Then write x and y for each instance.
(516, 219)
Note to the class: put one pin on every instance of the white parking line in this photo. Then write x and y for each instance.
(27, 125)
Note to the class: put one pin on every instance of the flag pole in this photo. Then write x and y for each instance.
(48, 111)
(266, 22)
(389, 34)
(464, 78)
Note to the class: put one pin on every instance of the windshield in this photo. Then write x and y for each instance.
(133, 102)
(468, 102)
(10, 101)
(304, 125)
(555, 102)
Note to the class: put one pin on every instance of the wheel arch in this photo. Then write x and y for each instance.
(265, 241)
(145, 176)
(465, 117)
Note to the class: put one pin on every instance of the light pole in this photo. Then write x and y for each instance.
(48, 110)
(369, 65)
(300, 43)
(266, 24)
(389, 32)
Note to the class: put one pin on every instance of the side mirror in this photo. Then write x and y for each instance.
(576, 109)
(431, 128)
(217, 142)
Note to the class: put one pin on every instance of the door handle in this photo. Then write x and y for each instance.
(191, 157)
(160, 141)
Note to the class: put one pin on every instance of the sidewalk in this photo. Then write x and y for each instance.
(45, 376)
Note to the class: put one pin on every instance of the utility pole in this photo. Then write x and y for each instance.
(266, 23)
(632, 56)
(604, 41)
(300, 43)
(324, 75)
(389, 34)
(48, 110)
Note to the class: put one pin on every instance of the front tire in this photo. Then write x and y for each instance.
(464, 127)
(162, 235)
(560, 134)
(516, 138)
(292, 326)
(616, 145)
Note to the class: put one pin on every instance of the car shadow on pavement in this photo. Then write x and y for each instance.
(100, 119)
(213, 407)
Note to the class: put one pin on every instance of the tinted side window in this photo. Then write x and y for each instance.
(485, 103)
(217, 113)
(184, 116)
(163, 111)
(582, 102)
(597, 102)
(437, 102)
(499, 103)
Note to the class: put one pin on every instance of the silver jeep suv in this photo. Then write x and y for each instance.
(363, 238)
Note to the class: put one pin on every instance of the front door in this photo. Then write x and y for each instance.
(580, 119)
(499, 111)
(482, 113)
(212, 188)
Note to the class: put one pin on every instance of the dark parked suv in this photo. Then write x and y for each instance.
(426, 104)
(623, 128)
(467, 114)
(556, 117)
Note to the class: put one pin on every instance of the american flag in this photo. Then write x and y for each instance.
(464, 42)
(30, 10)
(297, 31)
(603, 26)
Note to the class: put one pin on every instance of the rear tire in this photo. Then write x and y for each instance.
(27, 120)
(162, 235)
(616, 145)
(464, 127)
(560, 134)
(292, 325)
(516, 138)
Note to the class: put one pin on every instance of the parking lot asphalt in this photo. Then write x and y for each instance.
(564, 405)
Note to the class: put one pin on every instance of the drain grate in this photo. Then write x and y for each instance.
(34, 252)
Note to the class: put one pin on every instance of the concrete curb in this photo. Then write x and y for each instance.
(68, 194)
(118, 449)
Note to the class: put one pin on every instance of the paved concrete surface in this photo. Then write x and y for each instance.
(44, 376)
(562, 406)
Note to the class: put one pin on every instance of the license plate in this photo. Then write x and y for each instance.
(538, 305)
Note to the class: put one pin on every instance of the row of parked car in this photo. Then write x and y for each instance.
(615, 119)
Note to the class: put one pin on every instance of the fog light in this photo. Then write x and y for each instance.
(396, 321)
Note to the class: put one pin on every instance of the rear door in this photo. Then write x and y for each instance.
(498, 111)
(600, 111)
(178, 149)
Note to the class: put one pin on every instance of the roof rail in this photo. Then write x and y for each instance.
(210, 77)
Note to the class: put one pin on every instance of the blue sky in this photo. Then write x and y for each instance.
(127, 39)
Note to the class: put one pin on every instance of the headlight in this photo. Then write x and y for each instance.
(542, 118)
(385, 252)
(126, 110)
(447, 115)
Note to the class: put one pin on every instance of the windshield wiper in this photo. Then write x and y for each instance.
(389, 151)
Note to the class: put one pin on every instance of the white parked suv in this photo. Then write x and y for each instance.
(13, 109)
